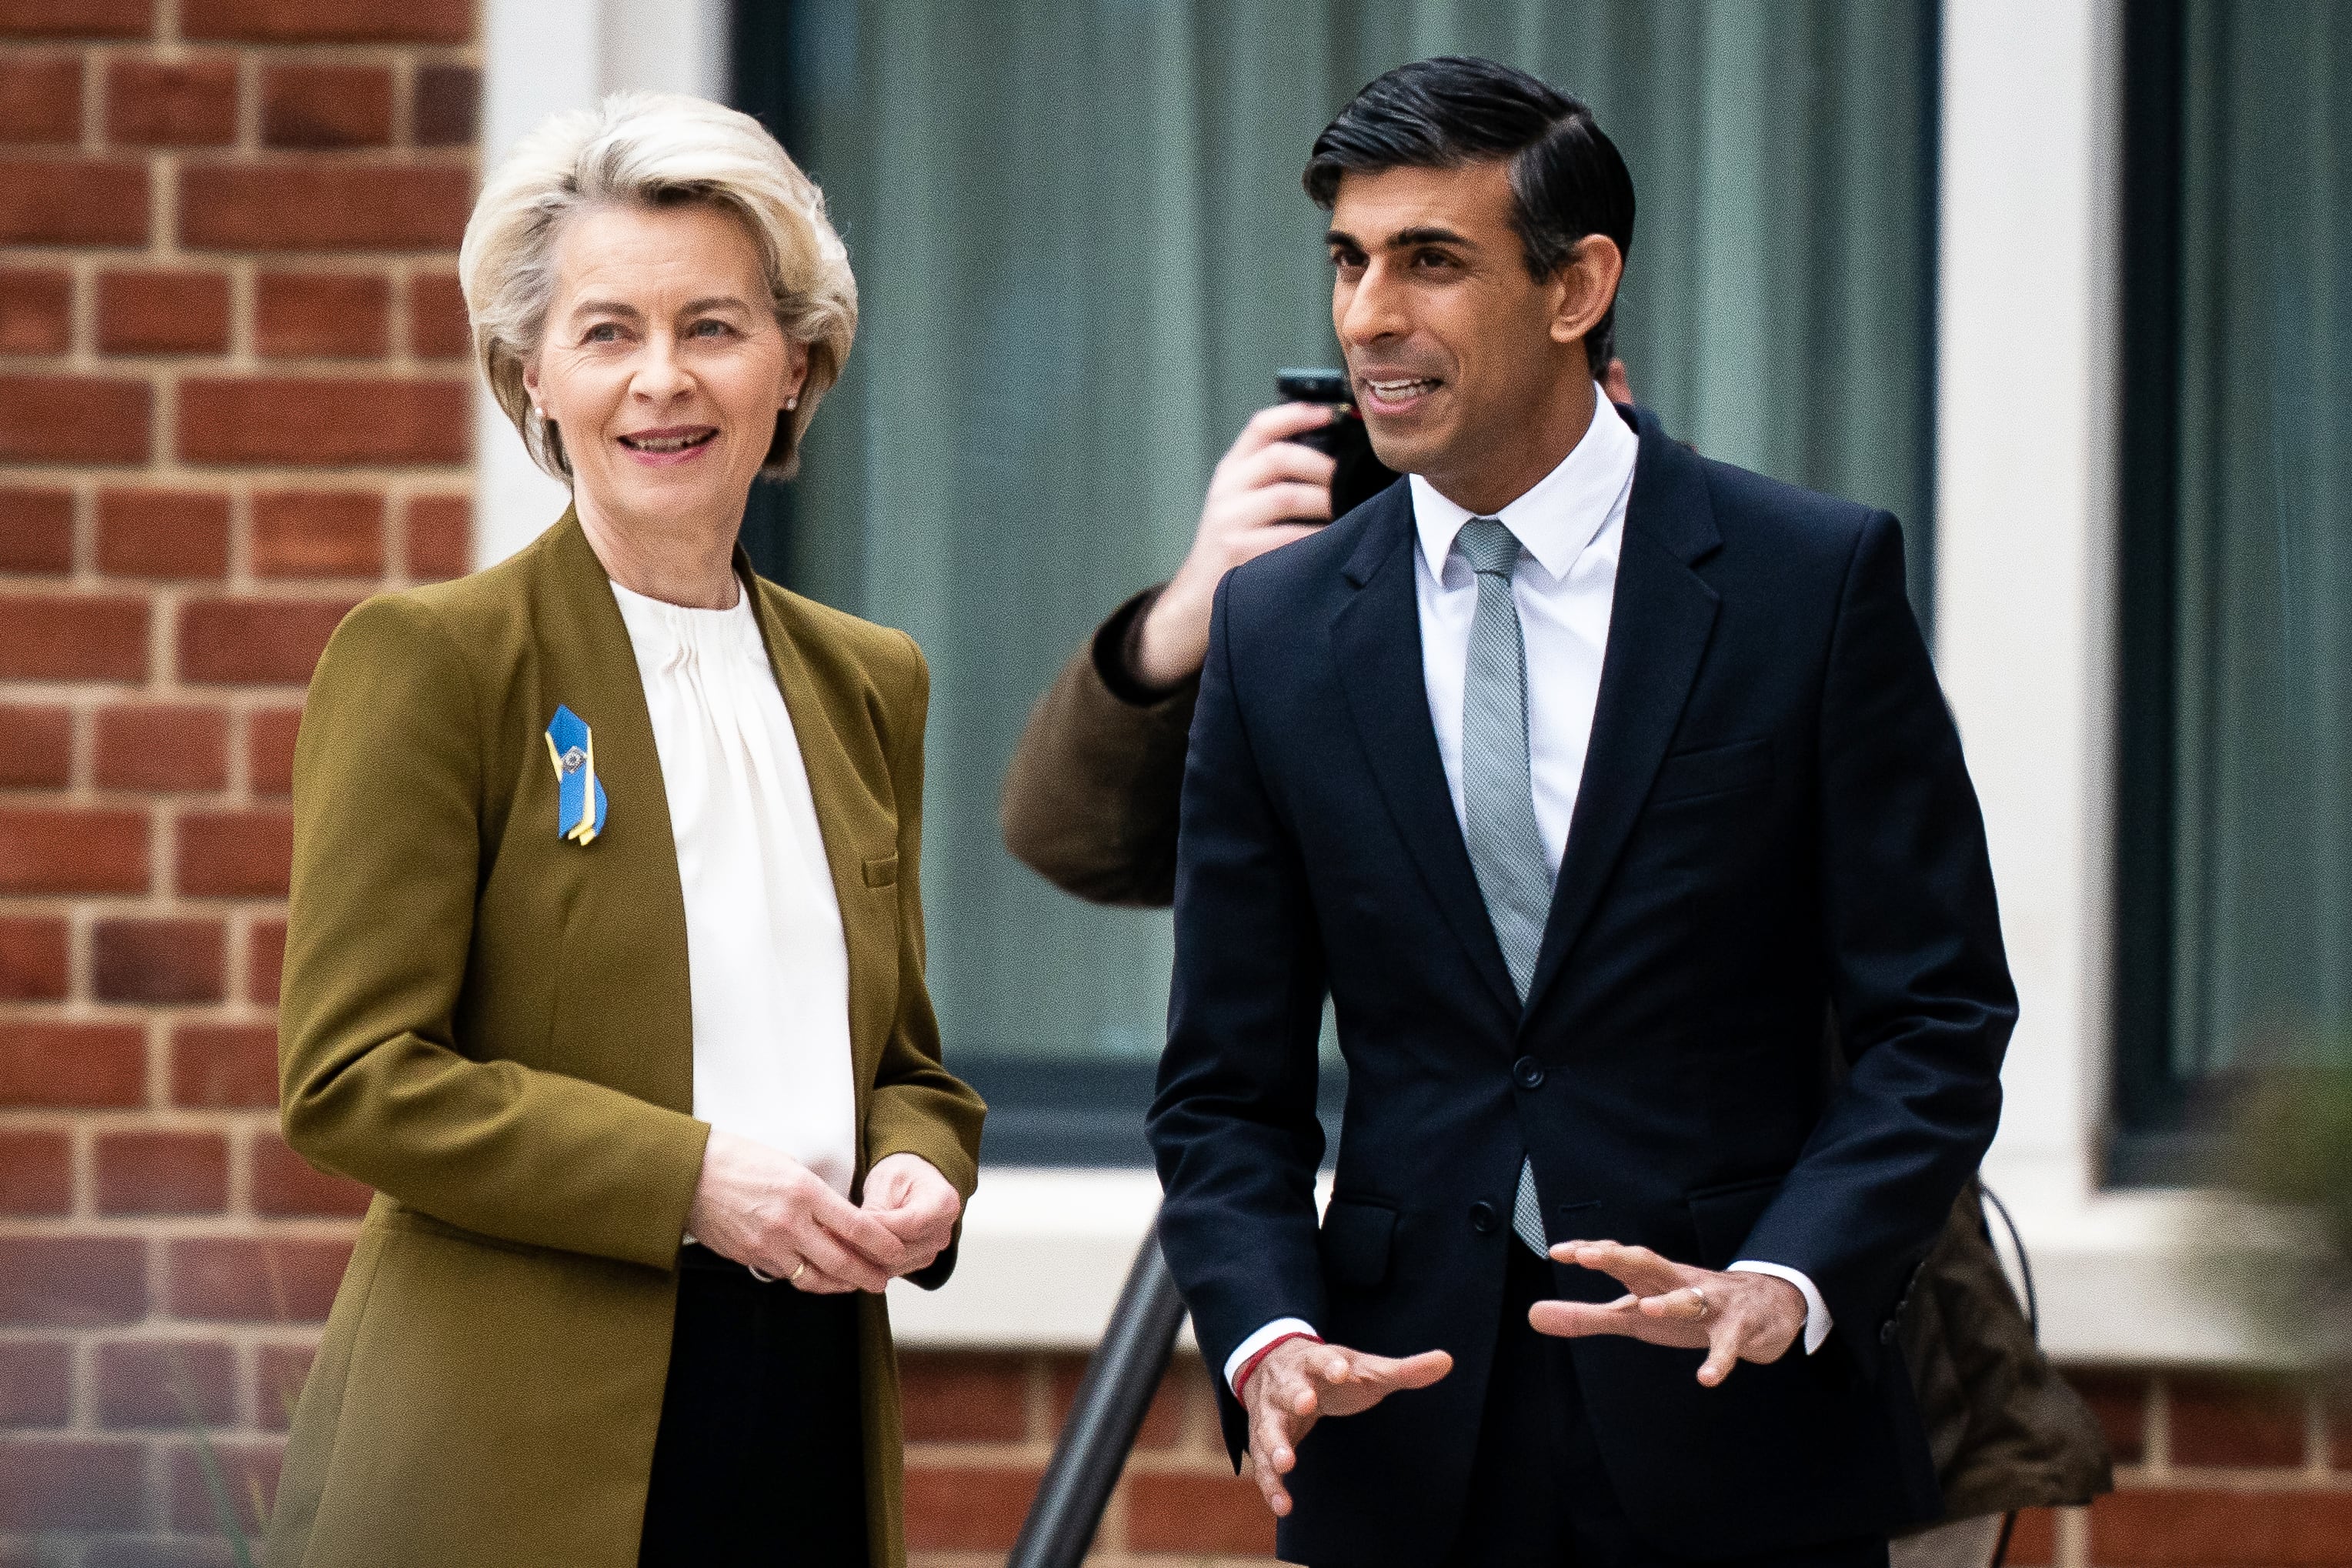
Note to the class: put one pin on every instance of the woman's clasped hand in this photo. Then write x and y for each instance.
(769, 1211)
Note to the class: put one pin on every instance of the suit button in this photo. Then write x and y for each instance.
(1483, 1218)
(1528, 1072)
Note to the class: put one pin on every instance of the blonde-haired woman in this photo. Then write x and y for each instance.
(605, 960)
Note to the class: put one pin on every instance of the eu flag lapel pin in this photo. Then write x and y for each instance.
(579, 796)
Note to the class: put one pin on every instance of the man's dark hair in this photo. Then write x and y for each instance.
(1567, 178)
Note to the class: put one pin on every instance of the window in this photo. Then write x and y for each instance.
(1084, 252)
(2235, 868)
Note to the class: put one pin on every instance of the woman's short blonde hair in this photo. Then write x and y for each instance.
(650, 149)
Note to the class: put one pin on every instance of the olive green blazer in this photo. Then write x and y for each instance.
(489, 1024)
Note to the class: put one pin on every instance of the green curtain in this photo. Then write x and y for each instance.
(2262, 827)
(1084, 252)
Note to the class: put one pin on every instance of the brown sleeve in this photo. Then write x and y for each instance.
(1091, 799)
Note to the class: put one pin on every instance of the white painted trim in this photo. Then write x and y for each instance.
(2024, 513)
(1042, 1262)
(538, 58)
(2027, 404)
(1044, 1256)
(2121, 1276)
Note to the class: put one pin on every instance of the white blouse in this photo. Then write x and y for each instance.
(768, 967)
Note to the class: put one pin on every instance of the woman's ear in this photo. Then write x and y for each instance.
(795, 373)
(530, 385)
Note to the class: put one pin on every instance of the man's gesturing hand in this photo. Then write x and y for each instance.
(1734, 1317)
(1299, 1381)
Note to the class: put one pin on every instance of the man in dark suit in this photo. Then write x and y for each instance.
(1589, 780)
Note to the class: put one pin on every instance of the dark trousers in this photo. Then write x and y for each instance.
(762, 1455)
(1538, 1495)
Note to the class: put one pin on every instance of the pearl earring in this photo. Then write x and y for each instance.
(792, 402)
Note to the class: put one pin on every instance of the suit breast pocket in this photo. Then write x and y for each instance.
(1713, 771)
(1356, 1241)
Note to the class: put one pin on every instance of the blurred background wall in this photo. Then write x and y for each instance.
(2064, 284)
(1083, 253)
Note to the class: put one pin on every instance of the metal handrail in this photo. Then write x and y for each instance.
(1121, 1377)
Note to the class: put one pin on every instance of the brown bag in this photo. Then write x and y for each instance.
(2005, 1430)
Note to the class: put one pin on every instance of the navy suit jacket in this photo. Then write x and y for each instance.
(1775, 832)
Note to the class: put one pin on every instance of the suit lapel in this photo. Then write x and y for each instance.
(590, 644)
(1376, 637)
(594, 671)
(1659, 624)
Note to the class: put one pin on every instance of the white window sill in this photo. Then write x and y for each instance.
(2123, 1277)
(2137, 1275)
(1044, 1256)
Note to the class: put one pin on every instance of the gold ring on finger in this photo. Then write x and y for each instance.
(1702, 1301)
(798, 1271)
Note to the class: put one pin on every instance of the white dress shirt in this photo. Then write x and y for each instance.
(767, 964)
(1572, 526)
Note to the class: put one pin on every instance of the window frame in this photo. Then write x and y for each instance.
(2027, 277)
(2154, 1141)
(1043, 1113)
(759, 82)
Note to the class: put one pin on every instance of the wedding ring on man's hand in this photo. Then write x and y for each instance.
(762, 1278)
(797, 1270)
(1701, 1302)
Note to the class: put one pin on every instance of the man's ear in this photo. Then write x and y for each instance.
(1584, 286)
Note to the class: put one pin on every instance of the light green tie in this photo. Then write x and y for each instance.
(1498, 809)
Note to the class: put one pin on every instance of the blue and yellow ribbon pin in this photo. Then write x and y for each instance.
(578, 797)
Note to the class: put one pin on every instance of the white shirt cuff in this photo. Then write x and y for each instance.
(1258, 1341)
(1817, 1312)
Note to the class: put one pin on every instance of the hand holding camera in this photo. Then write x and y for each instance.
(1269, 489)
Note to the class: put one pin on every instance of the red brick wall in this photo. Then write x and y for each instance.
(980, 1427)
(232, 401)
(2213, 1471)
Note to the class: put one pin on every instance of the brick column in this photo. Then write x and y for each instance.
(980, 1428)
(2212, 1471)
(233, 402)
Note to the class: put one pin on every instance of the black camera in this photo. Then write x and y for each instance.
(1359, 474)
